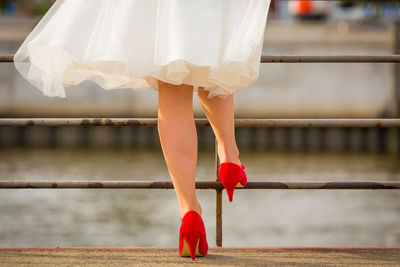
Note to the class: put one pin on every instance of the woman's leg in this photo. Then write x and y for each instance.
(220, 113)
(178, 138)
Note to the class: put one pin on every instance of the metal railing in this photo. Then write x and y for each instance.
(300, 59)
(216, 185)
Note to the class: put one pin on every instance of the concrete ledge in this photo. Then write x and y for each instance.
(226, 256)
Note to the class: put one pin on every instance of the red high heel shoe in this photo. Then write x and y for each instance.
(192, 236)
(232, 175)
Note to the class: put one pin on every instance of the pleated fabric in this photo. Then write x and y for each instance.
(215, 44)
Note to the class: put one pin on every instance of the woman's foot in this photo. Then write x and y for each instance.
(232, 176)
(192, 236)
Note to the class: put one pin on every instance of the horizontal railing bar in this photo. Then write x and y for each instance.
(201, 122)
(330, 59)
(299, 59)
(59, 184)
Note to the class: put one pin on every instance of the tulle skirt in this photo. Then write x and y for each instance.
(214, 44)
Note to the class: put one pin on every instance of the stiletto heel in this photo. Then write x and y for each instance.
(232, 176)
(192, 236)
(191, 240)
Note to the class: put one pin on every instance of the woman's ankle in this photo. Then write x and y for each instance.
(196, 207)
(228, 155)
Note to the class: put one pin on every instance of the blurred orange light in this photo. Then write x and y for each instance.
(305, 7)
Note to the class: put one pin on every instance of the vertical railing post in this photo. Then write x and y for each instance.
(397, 76)
(218, 201)
(396, 65)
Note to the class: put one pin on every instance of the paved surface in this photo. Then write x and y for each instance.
(225, 256)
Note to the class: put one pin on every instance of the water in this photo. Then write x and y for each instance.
(141, 217)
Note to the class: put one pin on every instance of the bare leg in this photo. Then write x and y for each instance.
(220, 113)
(178, 138)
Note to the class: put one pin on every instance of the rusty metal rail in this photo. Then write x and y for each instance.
(214, 185)
(100, 184)
(329, 59)
(201, 122)
(299, 59)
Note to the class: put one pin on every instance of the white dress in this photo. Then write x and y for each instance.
(215, 44)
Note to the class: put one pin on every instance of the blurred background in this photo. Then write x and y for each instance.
(95, 217)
